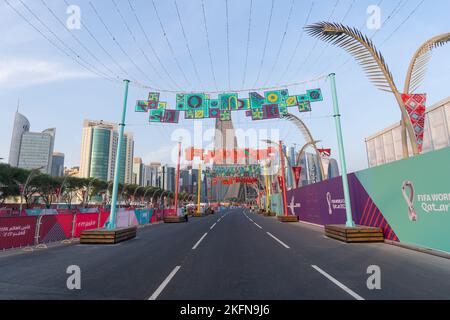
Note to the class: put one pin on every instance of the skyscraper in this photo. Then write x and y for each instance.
(31, 150)
(99, 150)
(138, 171)
(57, 164)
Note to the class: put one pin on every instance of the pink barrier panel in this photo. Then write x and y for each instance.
(85, 221)
(103, 218)
(126, 218)
(17, 232)
(55, 228)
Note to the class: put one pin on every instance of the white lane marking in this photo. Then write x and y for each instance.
(278, 240)
(251, 220)
(258, 225)
(163, 285)
(199, 241)
(340, 285)
(212, 227)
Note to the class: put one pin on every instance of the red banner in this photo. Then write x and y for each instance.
(415, 105)
(86, 221)
(17, 232)
(233, 155)
(233, 180)
(297, 174)
(280, 182)
(325, 152)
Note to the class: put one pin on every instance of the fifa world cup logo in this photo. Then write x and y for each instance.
(409, 199)
(329, 201)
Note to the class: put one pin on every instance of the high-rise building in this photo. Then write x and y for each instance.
(138, 171)
(99, 149)
(31, 150)
(58, 164)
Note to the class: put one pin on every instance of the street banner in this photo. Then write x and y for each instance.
(415, 105)
(325, 153)
(17, 232)
(85, 221)
(272, 104)
(297, 174)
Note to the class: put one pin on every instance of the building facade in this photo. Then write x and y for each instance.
(58, 164)
(99, 150)
(31, 150)
(386, 145)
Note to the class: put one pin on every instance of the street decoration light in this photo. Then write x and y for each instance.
(310, 141)
(27, 182)
(370, 58)
(418, 68)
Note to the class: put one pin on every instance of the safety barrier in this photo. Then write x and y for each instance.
(408, 199)
(33, 230)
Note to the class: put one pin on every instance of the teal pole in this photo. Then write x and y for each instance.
(337, 118)
(112, 217)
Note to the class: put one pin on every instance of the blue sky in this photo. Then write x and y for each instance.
(54, 91)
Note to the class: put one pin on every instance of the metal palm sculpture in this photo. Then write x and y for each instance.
(310, 141)
(418, 67)
(370, 58)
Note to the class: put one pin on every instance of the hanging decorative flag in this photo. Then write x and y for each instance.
(415, 105)
(156, 115)
(153, 96)
(214, 113)
(297, 175)
(304, 106)
(256, 100)
(257, 114)
(171, 116)
(280, 182)
(225, 115)
(325, 153)
(273, 105)
(291, 101)
(141, 106)
(315, 95)
(181, 105)
(228, 101)
(271, 111)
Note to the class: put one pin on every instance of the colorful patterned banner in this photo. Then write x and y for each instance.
(235, 155)
(415, 105)
(273, 105)
(234, 171)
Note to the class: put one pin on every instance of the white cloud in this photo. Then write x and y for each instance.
(30, 72)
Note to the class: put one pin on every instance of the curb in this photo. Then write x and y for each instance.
(429, 251)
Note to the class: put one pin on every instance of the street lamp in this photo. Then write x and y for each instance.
(30, 176)
(134, 194)
(283, 179)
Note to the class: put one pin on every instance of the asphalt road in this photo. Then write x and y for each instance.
(229, 256)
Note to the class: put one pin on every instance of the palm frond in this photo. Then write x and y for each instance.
(419, 63)
(360, 47)
(301, 126)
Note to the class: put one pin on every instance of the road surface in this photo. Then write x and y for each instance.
(228, 256)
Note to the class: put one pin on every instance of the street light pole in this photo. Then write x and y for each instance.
(33, 171)
(112, 217)
(337, 118)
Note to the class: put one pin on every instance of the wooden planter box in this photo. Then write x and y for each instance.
(358, 234)
(104, 236)
(175, 219)
(288, 219)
